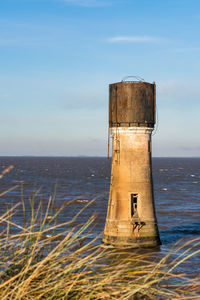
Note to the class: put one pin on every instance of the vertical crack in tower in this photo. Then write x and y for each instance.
(131, 219)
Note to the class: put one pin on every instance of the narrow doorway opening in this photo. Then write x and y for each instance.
(134, 199)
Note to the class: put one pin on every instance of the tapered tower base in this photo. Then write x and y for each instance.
(128, 242)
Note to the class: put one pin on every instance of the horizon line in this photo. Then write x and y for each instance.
(87, 156)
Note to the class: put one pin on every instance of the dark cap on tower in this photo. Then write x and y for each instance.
(132, 103)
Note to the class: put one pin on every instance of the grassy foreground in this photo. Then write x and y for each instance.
(37, 262)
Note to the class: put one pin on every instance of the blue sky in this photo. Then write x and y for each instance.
(57, 58)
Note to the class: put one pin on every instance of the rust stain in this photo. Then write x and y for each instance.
(132, 104)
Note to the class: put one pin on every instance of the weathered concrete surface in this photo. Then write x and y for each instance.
(131, 178)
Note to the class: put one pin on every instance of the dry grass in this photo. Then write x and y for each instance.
(38, 263)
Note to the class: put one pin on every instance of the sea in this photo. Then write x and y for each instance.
(82, 184)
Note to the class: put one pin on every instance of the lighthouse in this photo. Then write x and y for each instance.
(131, 220)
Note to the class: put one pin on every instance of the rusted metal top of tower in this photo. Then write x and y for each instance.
(132, 103)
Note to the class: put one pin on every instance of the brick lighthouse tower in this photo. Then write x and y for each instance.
(131, 220)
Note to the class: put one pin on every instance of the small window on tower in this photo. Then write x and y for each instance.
(134, 198)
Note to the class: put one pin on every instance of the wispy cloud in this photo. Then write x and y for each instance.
(3, 96)
(20, 42)
(88, 3)
(197, 16)
(9, 42)
(134, 39)
(183, 49)
(177, 92)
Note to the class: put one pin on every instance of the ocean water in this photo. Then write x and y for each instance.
(176, 192)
